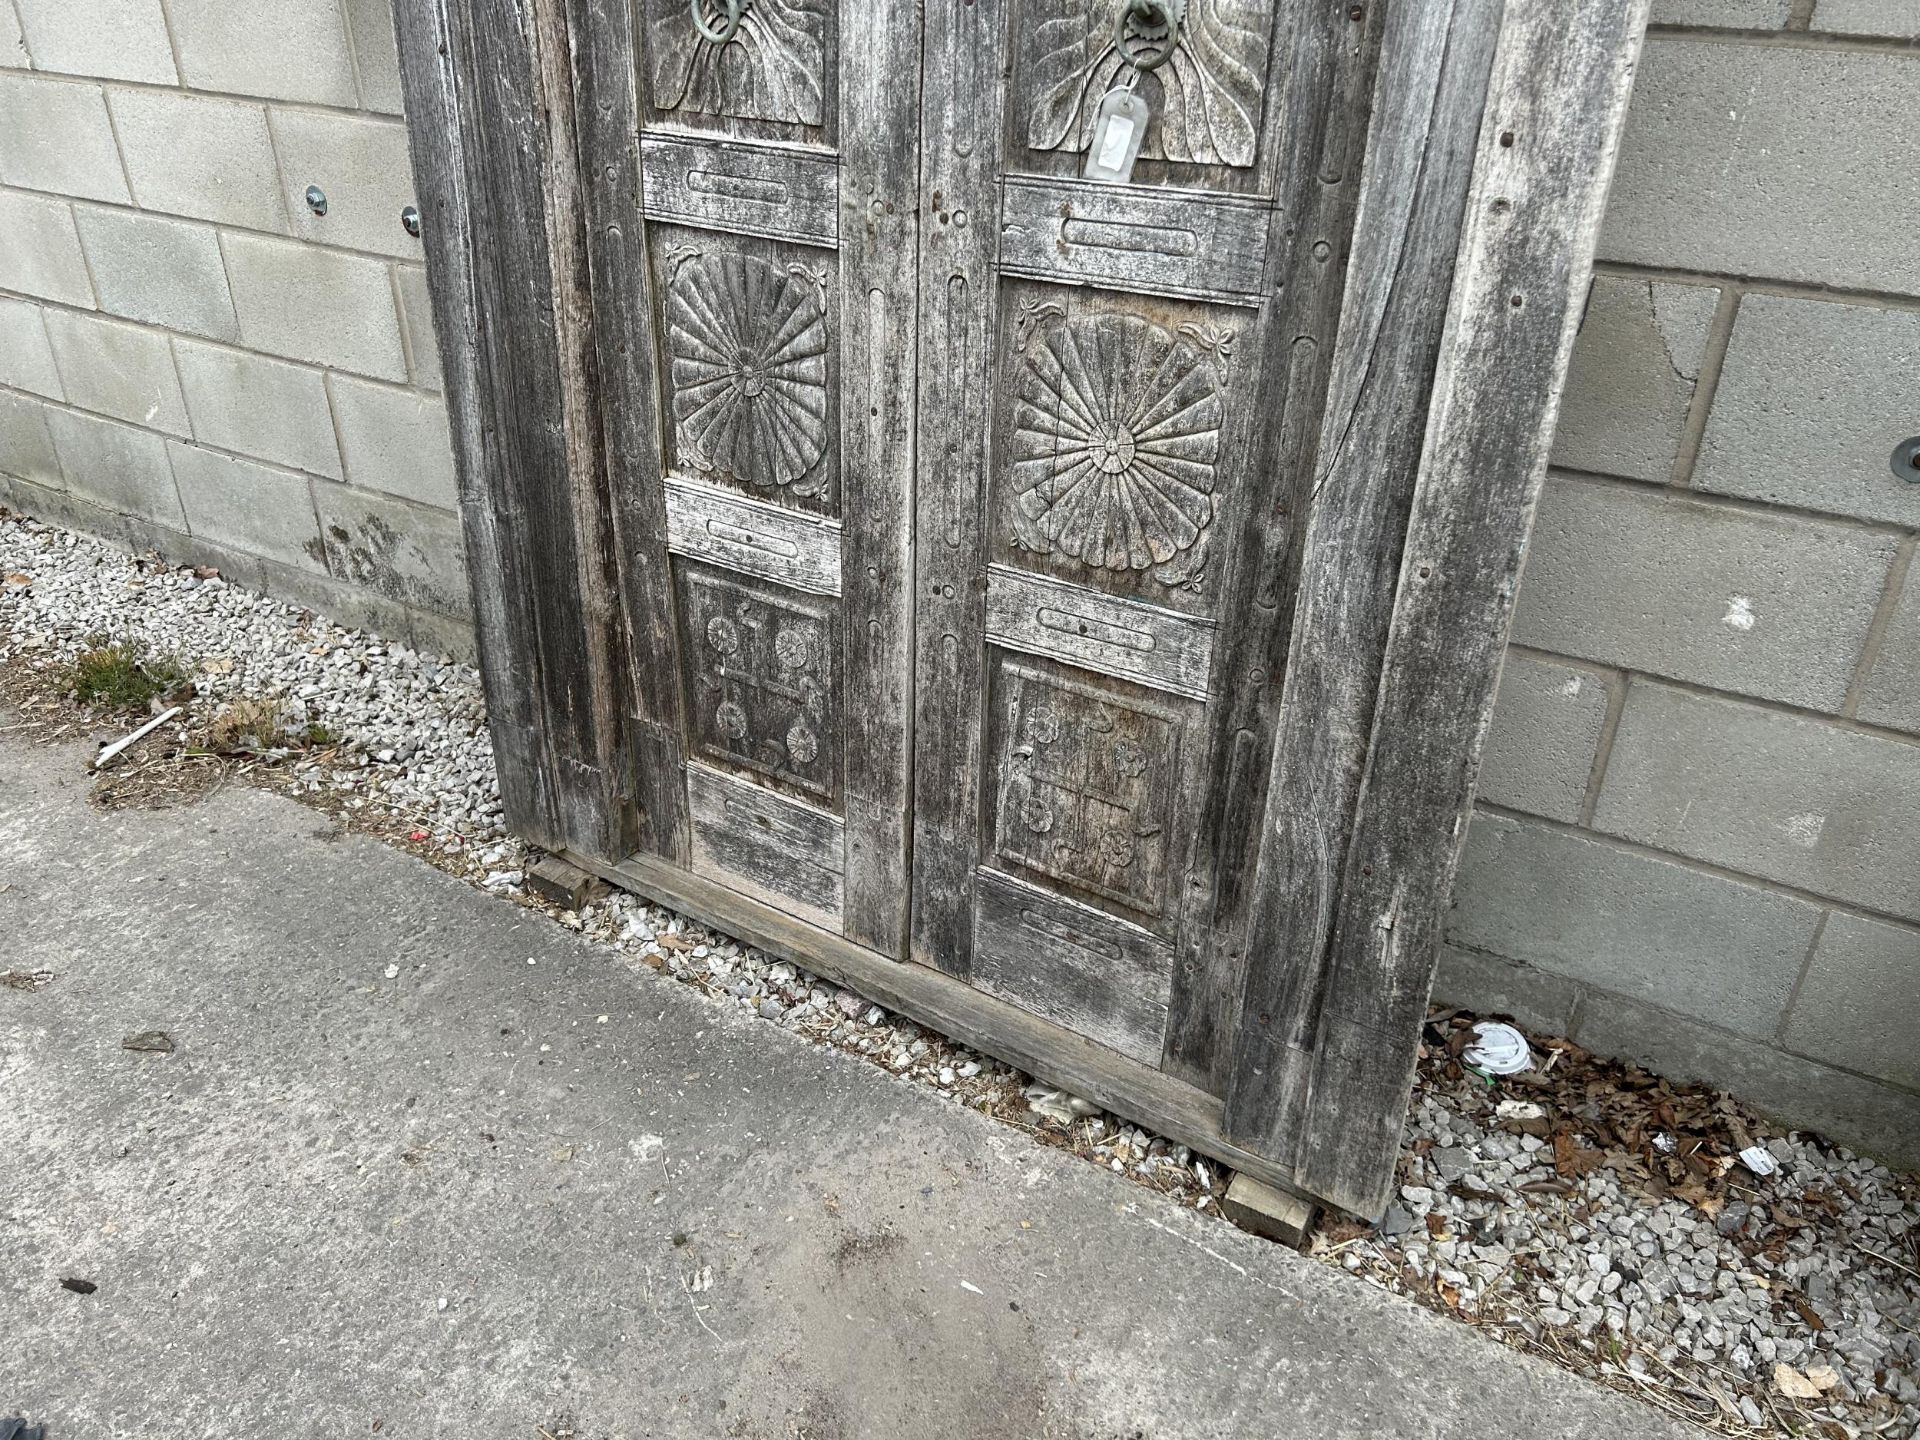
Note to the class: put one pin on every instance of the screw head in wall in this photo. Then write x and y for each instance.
(410, 220)
(1906, 460)
(316, 200)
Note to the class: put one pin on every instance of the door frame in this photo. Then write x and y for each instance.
(1478, 209)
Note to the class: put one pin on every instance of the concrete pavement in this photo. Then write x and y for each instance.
(458, 1202)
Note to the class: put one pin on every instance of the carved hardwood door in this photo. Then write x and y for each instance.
(777, 185)
(1104, 496)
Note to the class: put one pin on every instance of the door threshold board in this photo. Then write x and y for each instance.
(1148, 1097)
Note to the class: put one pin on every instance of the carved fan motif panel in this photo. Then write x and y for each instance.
(1206, 100)
(1112, 463)
(773, 67)
(747, 372)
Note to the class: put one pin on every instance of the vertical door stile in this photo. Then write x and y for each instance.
(960, 149)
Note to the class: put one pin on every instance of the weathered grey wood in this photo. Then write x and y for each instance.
(607, 109)
(960, 105)
(751, 536)
(781, 852)
(433, 84)
(785, 192)
(1327, 58)
(774, 67)
(880, 204)
(994, 1026)
(1136, 641)
(1277, 1214)
(1546, 152)
(1079, 231)
(1072, 964)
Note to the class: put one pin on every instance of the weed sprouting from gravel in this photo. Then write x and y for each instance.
(119, 675)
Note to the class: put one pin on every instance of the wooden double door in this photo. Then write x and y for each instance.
(1015, 504)
(960, 470)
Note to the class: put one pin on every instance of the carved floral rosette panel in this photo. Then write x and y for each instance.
(1114, 452)
(772, 67)
(1206, 100)
(760, 679)
(747, 344)
(1088, 773)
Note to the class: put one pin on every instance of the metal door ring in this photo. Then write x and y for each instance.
(1149, 50)
(723, 32)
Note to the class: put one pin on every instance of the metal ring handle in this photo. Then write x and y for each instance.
(1161, 11)
(725, 31)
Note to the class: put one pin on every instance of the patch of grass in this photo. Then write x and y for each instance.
(318, 737)
(120, 678)
(246, 726)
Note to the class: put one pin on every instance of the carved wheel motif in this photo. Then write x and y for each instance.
(1116, 436)
(769, 68)
(1208, 107)
(748, 342)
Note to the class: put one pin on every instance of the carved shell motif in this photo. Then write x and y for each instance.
(769, 69)
(749, 347)
(1205, 100)
(1116, 434)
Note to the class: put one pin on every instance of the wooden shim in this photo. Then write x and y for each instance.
(1435, 59)
(1559, 97)
(960, 109)
(509, 670)
(879, 225)
(1144, 643)
(951, 1006)
(1327, 57)
(624, 385)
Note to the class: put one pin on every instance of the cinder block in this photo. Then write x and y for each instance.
(113, 368)
(192, 155)
(283, 49)
(322, 306)
(1634, 371)
(117, 467)
(1770, 605)
(1726, 14)
(423, 346)
(1891, 695)
(40, 249)
(261, 509)
(26, 356)
(375, 57)
(55, 136)
(26, 446)
(13, 43)
(1769, 161)
(399, 551)
(108, 39)
(166, 272)
(1630, 922)
(1812, 401)
(1546, 727)
(1872, 1117)
(1859, 1005)
(394, 440)
(1896, 19)
(1767, 793)
(362, 164)
(266, 408)
(1494, 985)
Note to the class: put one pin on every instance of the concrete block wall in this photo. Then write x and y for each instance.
(192, 359)
(1697, 842)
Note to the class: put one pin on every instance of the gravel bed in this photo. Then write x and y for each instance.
(1582, 1210)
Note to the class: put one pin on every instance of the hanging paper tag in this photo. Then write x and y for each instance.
(1118, 128)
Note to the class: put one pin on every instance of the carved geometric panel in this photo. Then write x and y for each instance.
(1111, 465)
(1087, 781)
(761, 685)
(1205, 101)
(772, 67)
(746, 339)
